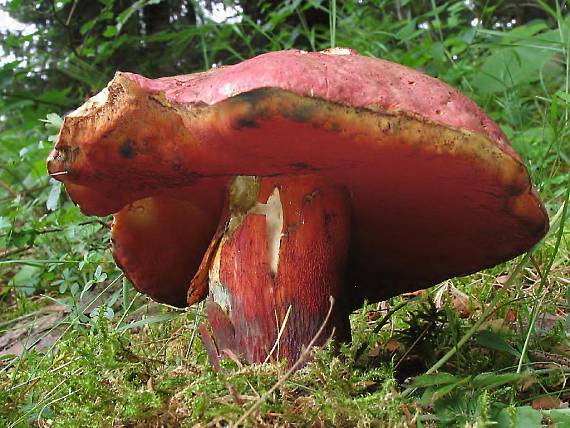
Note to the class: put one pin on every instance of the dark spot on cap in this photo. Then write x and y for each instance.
(335, 127)
(515, 189)
(302, 166)
(300, 113)
(247, 122)
(127, 150)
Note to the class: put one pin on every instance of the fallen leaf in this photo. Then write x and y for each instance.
(500, 281)
(458, 299)
(511, 316)
(546, 403)
(373, 315)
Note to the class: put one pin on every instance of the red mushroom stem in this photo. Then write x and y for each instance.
(281, 258)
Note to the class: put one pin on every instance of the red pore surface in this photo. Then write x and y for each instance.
(158, 242)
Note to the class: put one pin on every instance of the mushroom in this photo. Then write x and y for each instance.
(292, 177)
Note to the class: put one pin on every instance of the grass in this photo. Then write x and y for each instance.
(138, 371)
(489, 349)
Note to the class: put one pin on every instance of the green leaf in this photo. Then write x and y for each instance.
(432, 395)
(491, 340)
(150, 320)
(434, 379)
(563, 96)
(408, 31)
(486, 380)
(110, 31)
(87, 27)
(517, 58)
(26, 279)
(54, 120)
(469, 35)
(444, 390)
(438, 52)
(519, 417)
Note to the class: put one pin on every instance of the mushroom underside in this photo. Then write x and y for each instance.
(291, 243)
(388, 203)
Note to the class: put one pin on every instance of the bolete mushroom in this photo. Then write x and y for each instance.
(292, 177)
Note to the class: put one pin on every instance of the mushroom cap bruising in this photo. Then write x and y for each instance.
(436, 189)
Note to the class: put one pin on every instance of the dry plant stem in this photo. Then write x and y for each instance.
(13, 251)
(294, 367)
(9, 189)
(412, 346)
(279, 334)
(281, 258)
(379, 327)
(197, 316)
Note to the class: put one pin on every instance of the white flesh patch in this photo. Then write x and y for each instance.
(273, 211)
(93, 102)
(219, 293)
(243, 195)
(274, 229)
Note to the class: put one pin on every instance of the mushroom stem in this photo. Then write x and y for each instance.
(281, 258)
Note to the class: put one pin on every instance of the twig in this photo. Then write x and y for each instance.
(7, 187)
(412, 346)
(25, 192)
(34, 99)
(73, 6)
(8, 253)
(58, 229)
(66, 27)
(286, 376)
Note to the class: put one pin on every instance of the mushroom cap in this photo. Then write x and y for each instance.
(436, 189)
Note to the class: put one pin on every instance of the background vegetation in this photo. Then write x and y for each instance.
(79, 347)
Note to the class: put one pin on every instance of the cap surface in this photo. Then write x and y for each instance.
(436, 189)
